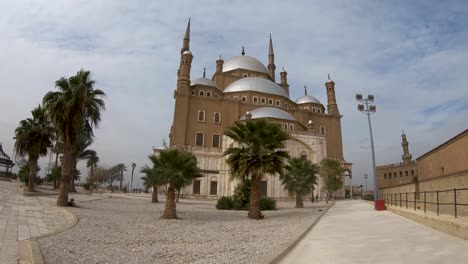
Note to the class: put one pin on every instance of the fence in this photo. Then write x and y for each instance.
(452, 202)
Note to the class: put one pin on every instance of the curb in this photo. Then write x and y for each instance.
(289, 248)
(35, 251)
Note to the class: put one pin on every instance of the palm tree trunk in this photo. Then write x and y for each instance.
(71, 187)
(178, 195)
(170, 210)
(299, 201)
(56, 164)
(62, 199)
(154, 196)
(91, 185)
(32, 173)
(255, 211)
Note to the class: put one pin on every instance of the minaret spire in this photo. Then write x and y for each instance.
(404, 143)
(305, 89)
(185, 45)
(204, 72)
(271, 60)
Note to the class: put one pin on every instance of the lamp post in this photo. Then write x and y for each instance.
(368, 109)
(365, 177)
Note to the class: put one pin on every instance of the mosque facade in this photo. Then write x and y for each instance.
(243, 88)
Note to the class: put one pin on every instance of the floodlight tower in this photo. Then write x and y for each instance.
(368, 108)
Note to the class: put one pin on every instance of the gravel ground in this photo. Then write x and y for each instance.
(129, 230)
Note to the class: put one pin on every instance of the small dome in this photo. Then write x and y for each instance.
(271, 112)
(187, 52)
(203, 81)
(307, 99)
(256, 84)
(244, 62)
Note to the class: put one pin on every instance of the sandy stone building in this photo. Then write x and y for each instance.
(243, 88)
(441, 169)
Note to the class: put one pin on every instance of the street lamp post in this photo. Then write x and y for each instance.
(368, 109)
(365, 177)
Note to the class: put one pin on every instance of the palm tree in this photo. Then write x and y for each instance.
(152, 178)
(121, 167)
(299, 179)
(76, 102)
(259, 152)
(131, 181)
(33, 138)
(91, 163)
(176, 166)
(80, 152)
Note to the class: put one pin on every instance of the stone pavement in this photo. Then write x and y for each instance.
(352, 232)
(22, 217)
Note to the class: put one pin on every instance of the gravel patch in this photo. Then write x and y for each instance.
(126, 230)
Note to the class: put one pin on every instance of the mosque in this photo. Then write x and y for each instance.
(243, 88)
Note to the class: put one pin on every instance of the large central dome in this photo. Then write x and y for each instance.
(244, 62)
(256, 84)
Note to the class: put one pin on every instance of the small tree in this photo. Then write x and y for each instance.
(331, 173)
(152, 178)
(33, 137)
(300, 177)
(176, 167)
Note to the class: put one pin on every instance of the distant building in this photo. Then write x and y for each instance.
(444, 167)
(243, 88)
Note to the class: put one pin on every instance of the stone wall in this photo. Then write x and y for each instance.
(428, 192)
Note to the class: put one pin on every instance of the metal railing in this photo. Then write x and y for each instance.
(451, 201)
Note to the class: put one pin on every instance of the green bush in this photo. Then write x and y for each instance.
(224, 203)
(242, 194)
(267, 203)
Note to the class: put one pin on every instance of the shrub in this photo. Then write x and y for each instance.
(242, 194)
(224, 203)
(267, 203)
(85, 185)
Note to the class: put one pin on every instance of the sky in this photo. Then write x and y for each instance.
(411, 55)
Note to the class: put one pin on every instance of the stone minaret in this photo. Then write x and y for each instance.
(219, 64)
(183, 80)
(182, 94)
(404, 143)
(186, 43)
(284, 80)
(332, 107)
(271, 61)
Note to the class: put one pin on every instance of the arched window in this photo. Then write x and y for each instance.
(394, 175)
(208, 94)
(278, 103)
(217, 118)
(401, 174)
(291, 127)
(313, 110)
(263, 100)
(244, 98)
(385, 175)
(270, 101)
(255, 99)
(303, 155)
(406, 173)
(201, 116)
(322, 130)
(201, 93)
(412, 172)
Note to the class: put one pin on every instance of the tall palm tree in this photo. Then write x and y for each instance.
(121, 167)
(131, 181)
(176, 166)
(91, 163)
(299, 179)
(33, 138)
(80, 151)
(152, 178)
(75, 102)
(259, 151)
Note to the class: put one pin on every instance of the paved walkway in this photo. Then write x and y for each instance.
(22, 217)
(352, 232)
